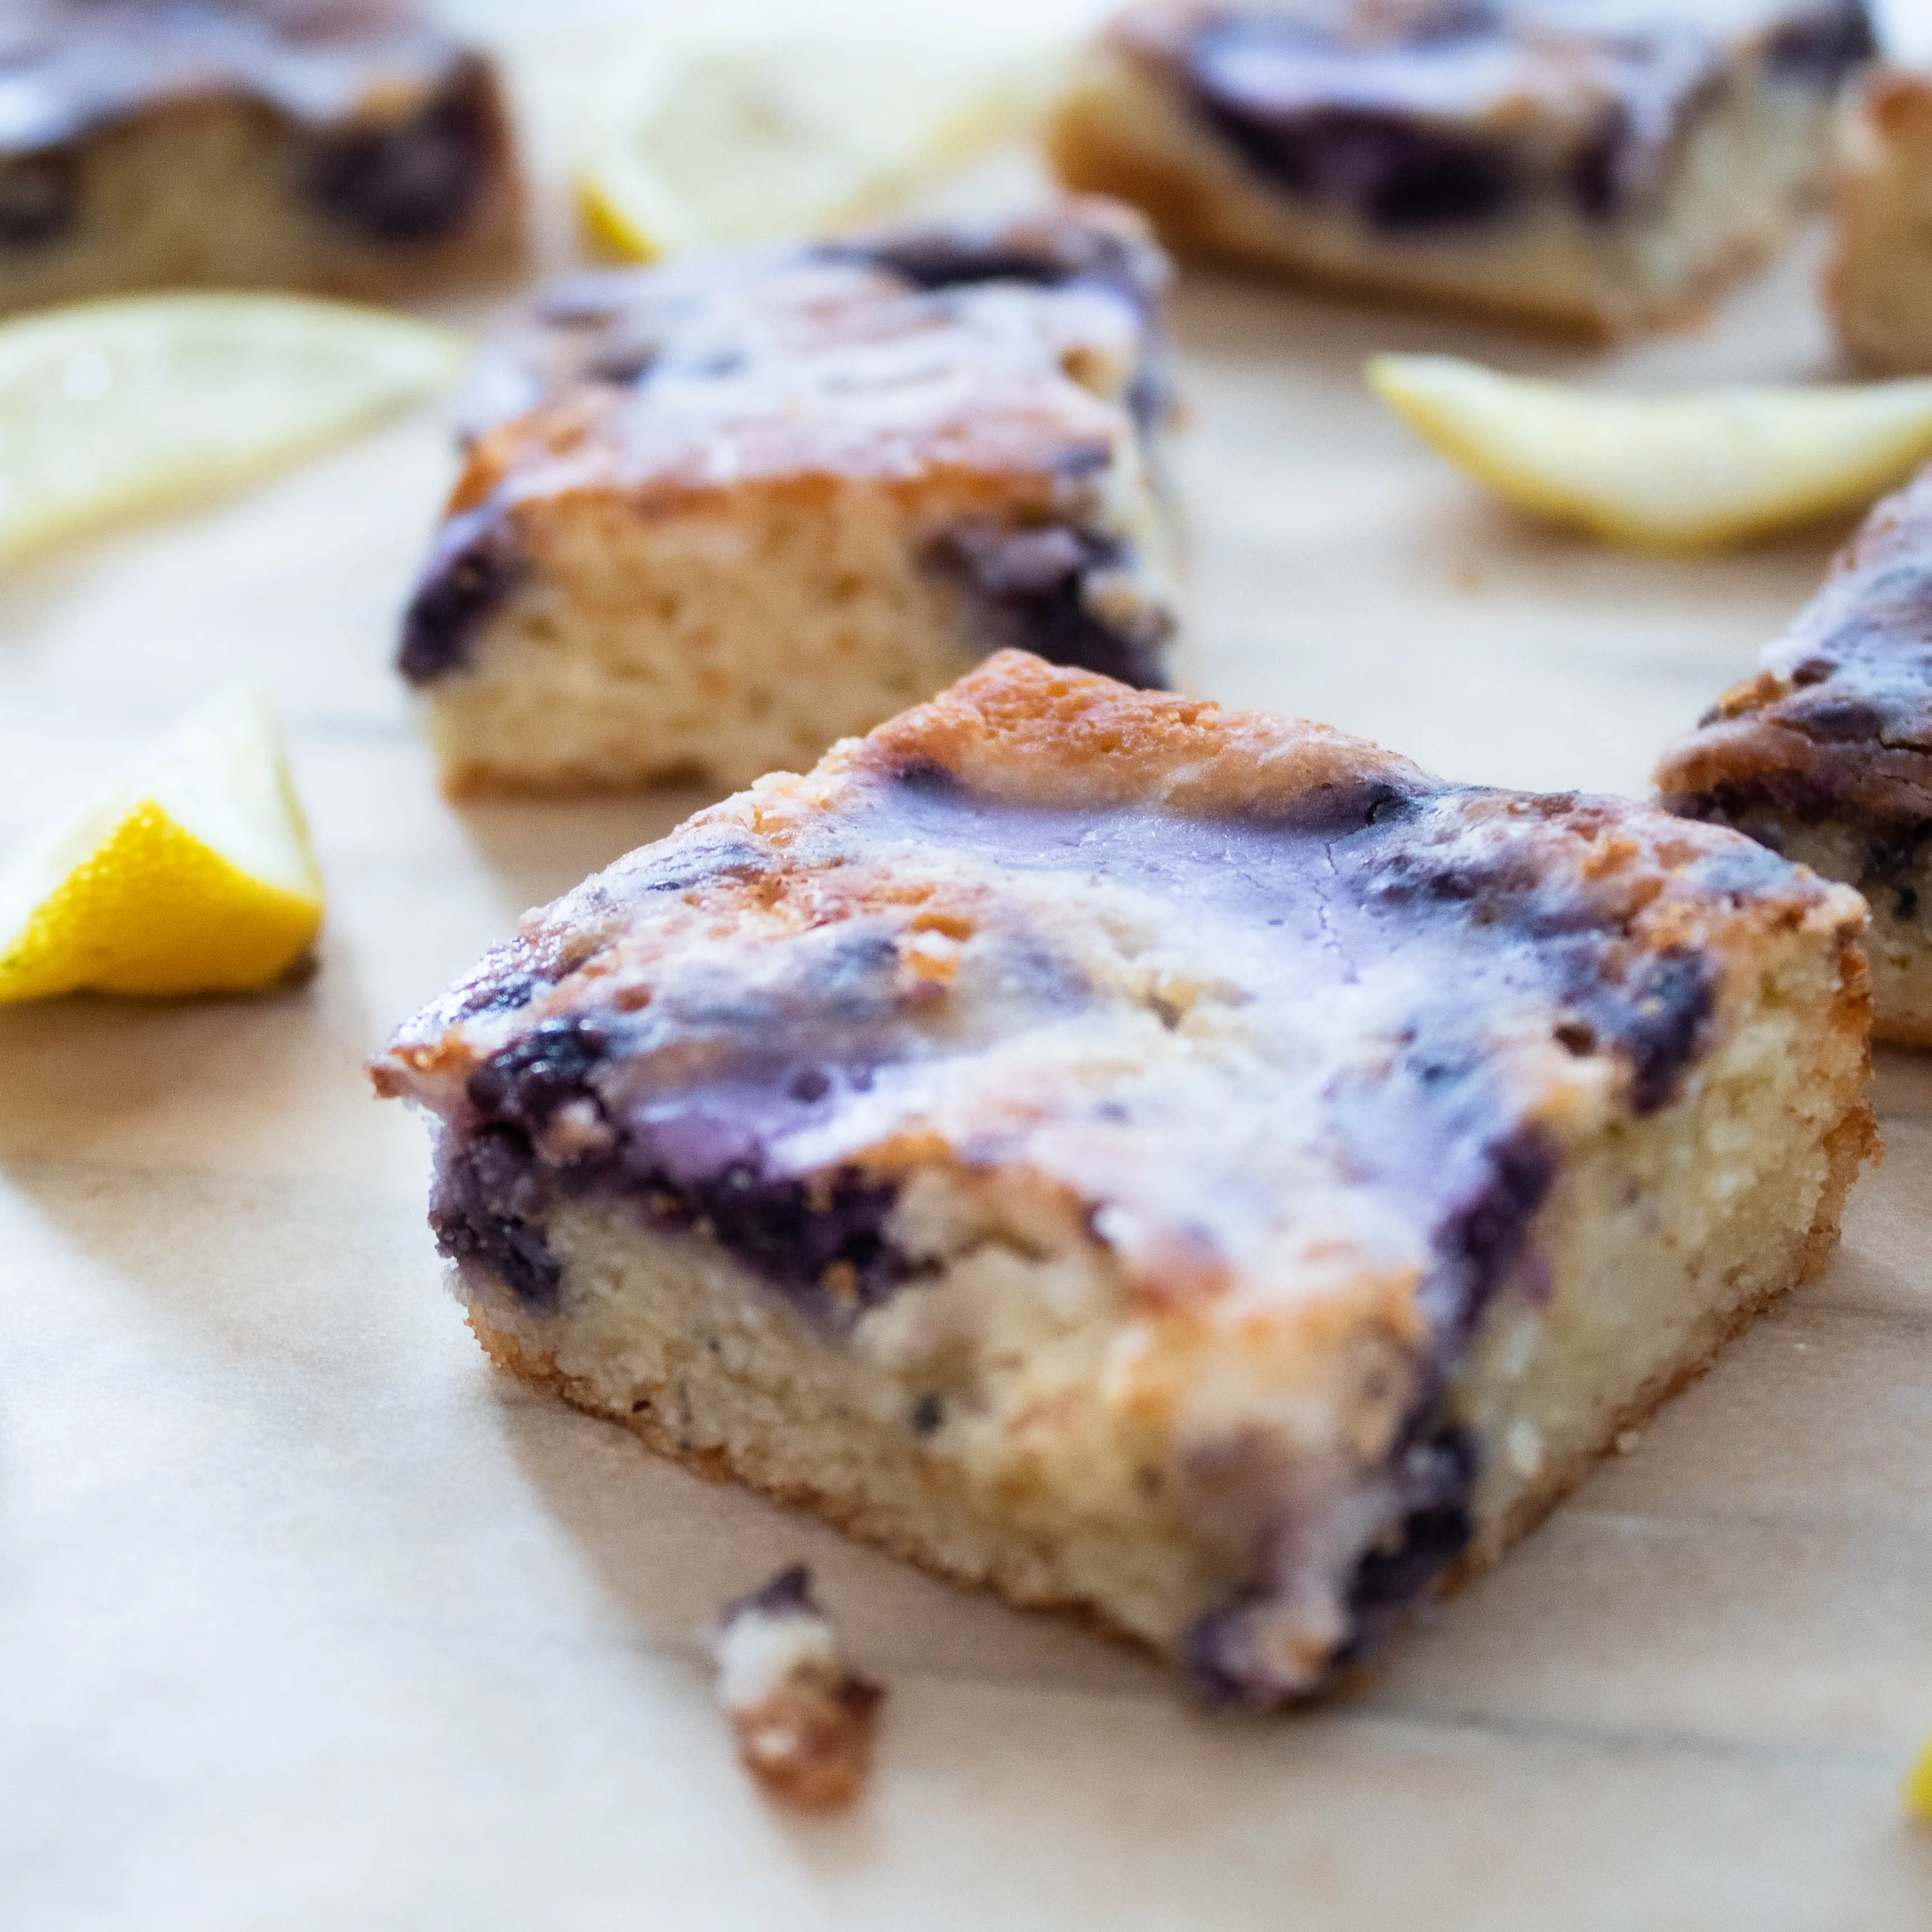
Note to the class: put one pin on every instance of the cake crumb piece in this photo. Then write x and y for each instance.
(1626, 1441)
(804, 1720)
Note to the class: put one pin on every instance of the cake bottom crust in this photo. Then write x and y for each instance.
(1744, 178)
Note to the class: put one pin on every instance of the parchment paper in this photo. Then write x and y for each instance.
(311, 1620)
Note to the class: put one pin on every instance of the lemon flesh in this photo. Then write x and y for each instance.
(1682, 473)
(193, 875)
(111, 409)
(725, 147)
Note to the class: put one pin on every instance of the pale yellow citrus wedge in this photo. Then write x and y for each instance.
(1682, 473)
(1918, 1787)
(193, 875)
(112, 410)
(726, 146)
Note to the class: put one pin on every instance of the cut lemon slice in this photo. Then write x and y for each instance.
(194, 875)
(110, 409)
(724, 146)
(1918, 1787)
(1676, 472)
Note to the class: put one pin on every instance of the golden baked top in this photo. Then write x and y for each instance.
(1283, 1019)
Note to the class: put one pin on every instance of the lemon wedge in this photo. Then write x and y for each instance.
(1918, 1787)
(724, 146)
(194, 875)
(1682, 473)
(110, 409)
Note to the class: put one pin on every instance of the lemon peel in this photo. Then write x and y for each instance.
(112, 409)
(192, 875)
(726, 146)
(1683, 472)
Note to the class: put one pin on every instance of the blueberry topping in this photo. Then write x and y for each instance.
(412, 180)
(40, 198)
(476, 564)
(1401, 116)
(487, 1206)
(1033, 588)
(1822, 47)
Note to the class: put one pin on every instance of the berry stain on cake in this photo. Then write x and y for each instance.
(1185, 1163)
(718, 514)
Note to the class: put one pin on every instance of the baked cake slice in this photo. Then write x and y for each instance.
(347, 147)
(1878, 284)
(718, 513)
(1185, 1163)
(1595, 165)
(1825, 755)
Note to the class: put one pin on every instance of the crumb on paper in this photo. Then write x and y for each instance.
(1919, 1786)
(804, 1720)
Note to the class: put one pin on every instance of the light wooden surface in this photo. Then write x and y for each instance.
(311, 1620)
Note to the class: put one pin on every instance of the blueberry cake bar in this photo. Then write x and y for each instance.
(1878, 285)
(1591, 165)
(1184, 1163)
(718, 513)
(345, 147)
(1825, 755)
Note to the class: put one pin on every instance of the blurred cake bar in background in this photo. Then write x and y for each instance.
(1879, 283)
(718, 513)
(1825, 755)
(1185, 1163)
(341, 147)
(1589, 165)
